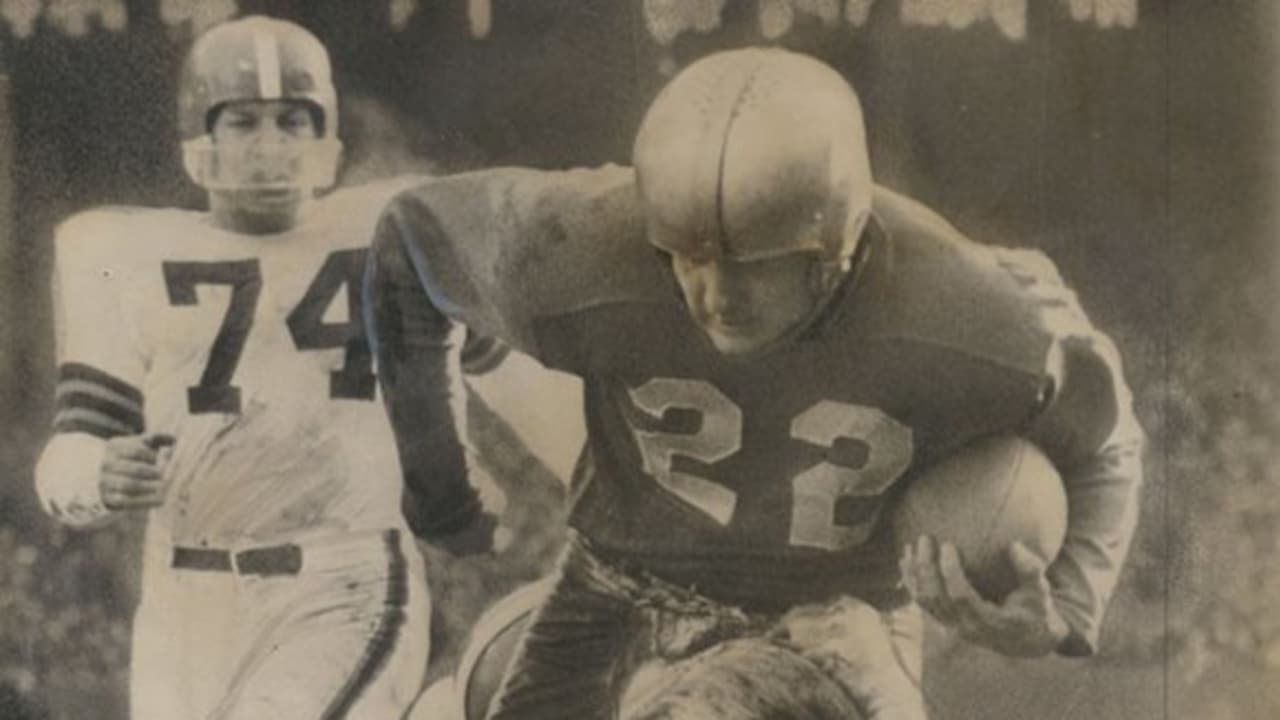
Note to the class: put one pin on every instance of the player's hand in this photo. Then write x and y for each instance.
(1026, 624)
(476, 538)
(133, 470)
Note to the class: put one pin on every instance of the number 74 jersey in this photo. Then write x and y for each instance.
(249, 350)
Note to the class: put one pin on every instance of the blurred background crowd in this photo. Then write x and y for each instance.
(1132, 140)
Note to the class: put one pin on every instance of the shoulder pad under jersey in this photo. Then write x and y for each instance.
(116, 236)
(950, 291)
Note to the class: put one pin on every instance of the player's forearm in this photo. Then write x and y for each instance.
(413, 348)
(67, 480)
(1103, 510)
(438, 498)
(1091, 432)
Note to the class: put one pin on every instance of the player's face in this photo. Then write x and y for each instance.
(260, 150)
(745, 307)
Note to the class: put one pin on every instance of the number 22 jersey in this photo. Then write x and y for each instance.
(766, 482)
(248, 349)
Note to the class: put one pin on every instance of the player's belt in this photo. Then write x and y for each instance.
(273, 560)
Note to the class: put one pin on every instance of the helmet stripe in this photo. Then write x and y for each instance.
(735, 110)
(267, 52)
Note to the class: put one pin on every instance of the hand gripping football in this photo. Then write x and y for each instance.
(983, 498)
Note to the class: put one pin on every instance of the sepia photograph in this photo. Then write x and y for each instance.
(639, 359)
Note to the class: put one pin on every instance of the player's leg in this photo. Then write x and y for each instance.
(570, 661)
(347, 637)
(184, 631)
(395, 685)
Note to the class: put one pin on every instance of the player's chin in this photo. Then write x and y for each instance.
(269, 210)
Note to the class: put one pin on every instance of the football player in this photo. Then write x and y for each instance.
(213, 372)
(770, 343)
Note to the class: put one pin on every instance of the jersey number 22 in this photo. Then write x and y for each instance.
(816, 491)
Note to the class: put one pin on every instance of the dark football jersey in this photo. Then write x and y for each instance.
(763, 482)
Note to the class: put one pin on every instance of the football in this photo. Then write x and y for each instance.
(983, 498)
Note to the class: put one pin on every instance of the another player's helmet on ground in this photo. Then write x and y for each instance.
(755, 153)
(491, 645)
(257, 58)
(748, 678)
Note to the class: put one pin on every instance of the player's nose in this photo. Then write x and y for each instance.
(723, 290)
(270, 142)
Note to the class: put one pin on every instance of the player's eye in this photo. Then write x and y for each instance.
(239, 121)
(295, 122)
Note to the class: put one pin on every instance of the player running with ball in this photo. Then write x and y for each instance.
(769, 343)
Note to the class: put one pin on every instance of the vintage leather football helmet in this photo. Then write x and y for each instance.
(754, 153)
(257, 58)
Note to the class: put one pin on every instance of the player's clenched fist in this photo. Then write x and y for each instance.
(133, 469)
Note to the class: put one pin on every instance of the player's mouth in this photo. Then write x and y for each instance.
(733, 323)
(735, 333)
(274, 192)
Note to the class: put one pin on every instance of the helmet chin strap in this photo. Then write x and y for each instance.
(827, 275)
(832, 278)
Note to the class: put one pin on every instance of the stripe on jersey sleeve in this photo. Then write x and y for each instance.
(91, 401)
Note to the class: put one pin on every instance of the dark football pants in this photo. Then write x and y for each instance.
(596, 626)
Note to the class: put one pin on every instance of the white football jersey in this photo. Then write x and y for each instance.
(248, 349)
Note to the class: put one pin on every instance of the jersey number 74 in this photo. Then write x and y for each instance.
(215, 392)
